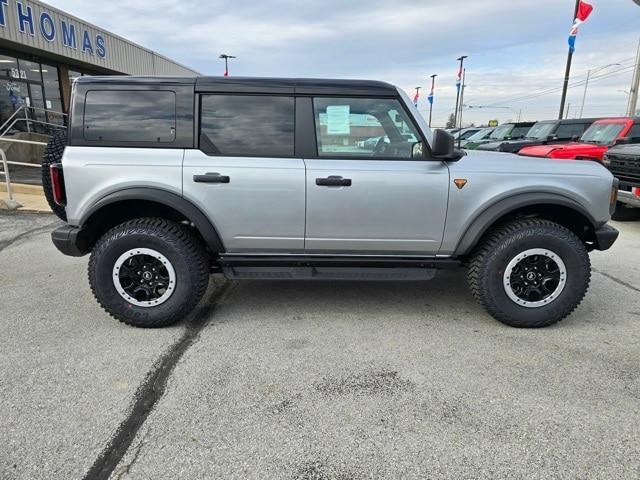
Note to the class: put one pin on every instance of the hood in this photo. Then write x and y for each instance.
(568, 149)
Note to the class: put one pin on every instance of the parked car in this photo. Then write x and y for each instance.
(480, 135)
(506, 131)
(624, 162)
(465, 133)
(266, 190)
(549, 132)
(593, 144)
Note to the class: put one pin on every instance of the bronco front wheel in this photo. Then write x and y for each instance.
(530, 273)
(149, 272)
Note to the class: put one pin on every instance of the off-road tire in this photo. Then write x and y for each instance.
(53, 154)
(490, 259)
(177, 243)
(624, 213)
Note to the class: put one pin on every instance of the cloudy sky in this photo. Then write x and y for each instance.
(517, 48)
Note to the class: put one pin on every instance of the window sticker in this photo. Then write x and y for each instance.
(338, 120)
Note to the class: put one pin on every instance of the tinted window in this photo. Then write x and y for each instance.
(571, 130)
(541, 131)
(519, 132)
(130, 116)
(634, 133)
(237, 125)
(363, 127)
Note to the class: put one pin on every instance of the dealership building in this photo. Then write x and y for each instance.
(42, 49)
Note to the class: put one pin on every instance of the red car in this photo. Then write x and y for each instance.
(594, 142)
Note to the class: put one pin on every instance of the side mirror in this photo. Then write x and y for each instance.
(443, 144)
(551, 138)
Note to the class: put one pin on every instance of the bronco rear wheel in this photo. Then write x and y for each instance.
(530, 273)
(149, 272)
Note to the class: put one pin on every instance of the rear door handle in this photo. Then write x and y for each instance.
(333, 181)
(211, 178)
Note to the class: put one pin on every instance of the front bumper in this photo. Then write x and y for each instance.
(629, 198)
(605, 237)
(71, 241)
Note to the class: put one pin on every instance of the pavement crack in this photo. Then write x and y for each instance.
(126, 468)
(617, 280)
(24, 235)
(151, 391)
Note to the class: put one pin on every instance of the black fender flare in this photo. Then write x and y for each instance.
(168, 199)
(502, 207)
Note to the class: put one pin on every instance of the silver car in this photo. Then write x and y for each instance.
(166, 180)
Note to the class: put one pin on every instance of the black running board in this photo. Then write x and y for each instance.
(295, 267)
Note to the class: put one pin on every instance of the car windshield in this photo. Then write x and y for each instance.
(602, 133)
(481, 135)
(502, 132)
(540, 131)
(466, 134)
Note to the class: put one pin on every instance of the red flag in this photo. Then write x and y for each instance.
(584, 10)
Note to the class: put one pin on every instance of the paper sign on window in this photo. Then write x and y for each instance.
(338, 120)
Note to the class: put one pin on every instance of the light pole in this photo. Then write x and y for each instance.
(226, 62)
(586, 85)
(459, 85)
(433, 87)
(464, 81)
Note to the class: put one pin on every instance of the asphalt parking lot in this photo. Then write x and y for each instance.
(313, 380)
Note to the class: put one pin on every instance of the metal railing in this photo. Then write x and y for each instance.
(6, 163)
(24, 113)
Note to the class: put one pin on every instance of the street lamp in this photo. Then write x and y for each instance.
(586, 85)
(226, 62)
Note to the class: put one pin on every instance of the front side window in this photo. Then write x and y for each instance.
(363, 128)
(520, 131)
(247, 125)
(570, 130)
(602, 133)
(130, 116)
(634, 133)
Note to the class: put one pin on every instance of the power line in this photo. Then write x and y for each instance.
(549, 91)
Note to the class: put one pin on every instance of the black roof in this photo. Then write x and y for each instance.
(301, 86)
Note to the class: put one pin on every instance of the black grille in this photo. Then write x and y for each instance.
(625, 168)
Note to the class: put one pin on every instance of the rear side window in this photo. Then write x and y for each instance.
(247, 125)
(130, 116)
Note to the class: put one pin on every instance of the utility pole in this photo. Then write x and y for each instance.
(226, 58)
(464, 79)
(584, 95)
(632, 106)
(433, 86)
(461, 60)
(567, 72)
(586, 85)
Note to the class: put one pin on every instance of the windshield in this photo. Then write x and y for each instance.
(502, 132)
(602, 133)
(481, 135)
(540, 131)
(466, 134)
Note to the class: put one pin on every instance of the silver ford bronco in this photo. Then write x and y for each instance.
(167, 180)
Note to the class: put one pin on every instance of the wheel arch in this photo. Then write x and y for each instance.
(127, 204)
(550, 206)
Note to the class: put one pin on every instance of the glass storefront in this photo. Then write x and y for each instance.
(25, 82)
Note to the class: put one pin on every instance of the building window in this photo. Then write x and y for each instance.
(130, 116)
(239, 125)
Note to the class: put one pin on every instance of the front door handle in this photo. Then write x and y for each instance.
(211, 178)
(333, 181)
